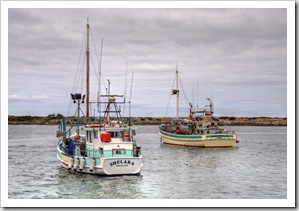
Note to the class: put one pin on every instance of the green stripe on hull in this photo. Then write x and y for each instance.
(219, 136)
(196, 137)
(176, 136)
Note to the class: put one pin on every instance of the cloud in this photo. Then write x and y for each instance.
(229, 54)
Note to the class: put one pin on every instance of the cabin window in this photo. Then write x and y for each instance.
(119, 135)
(88, 136)
(116, 134)
(95, 134)
(112, 134)
(118, 151)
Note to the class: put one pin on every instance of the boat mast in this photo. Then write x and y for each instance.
(87, 69)
(177, 93)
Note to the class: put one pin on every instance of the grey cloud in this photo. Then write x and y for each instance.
(235, 54)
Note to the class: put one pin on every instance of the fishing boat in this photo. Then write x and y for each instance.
(200, 129)
(103, 145)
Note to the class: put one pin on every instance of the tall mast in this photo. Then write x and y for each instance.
(87, 68)
(177, 93)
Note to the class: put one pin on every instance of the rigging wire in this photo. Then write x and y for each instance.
(169, 97)
(93, 63)
(124, 108)
(97, 76)
(131, 96)
(76, 80)
(183, 90)
(82, 75)
(197, 90)
(99, 88)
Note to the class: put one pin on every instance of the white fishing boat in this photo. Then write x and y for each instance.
(102, 145)
(200, 129)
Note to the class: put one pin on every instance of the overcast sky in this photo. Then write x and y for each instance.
(238, 57)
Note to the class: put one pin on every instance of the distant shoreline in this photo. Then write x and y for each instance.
(224, 121)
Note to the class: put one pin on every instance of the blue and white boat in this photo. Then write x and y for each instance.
(103, 145)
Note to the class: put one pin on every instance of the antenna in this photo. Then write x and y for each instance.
(130, 98)
(177, 90)
(125, 90)
(197, 88)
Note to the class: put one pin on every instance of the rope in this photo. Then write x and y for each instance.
(76, 80)
(169, 97)
(182, 88)
(183, 91)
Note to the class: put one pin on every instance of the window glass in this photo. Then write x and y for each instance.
(87, 135)
(89, 138)
(116, 134)
(118, 151)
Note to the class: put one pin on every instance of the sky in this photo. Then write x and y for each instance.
(236, 56)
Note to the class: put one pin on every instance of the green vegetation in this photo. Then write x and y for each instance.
(53, 119)
(34, 120)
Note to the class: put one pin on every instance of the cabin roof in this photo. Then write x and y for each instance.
(108, 128)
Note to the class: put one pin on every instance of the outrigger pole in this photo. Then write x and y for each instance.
(100, 75)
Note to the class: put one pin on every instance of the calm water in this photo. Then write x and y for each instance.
(255, 169)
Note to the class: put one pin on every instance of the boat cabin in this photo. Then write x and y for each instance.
(108, 142)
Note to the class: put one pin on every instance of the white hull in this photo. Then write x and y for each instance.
(198, 140)
(107, 166)
(103, 145)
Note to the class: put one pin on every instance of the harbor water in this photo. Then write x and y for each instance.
(255, 169)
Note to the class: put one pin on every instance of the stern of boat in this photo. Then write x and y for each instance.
(119, 166)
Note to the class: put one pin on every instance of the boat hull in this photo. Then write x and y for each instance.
(204, 141)
(104, 166)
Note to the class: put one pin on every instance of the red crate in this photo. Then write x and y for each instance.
(105, 137)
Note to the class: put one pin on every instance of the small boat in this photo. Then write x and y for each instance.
(101, 145)
(200, 129)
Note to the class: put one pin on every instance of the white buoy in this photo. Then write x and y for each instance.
(92, 164)
(70, 164)
(82, 164)
(76, 164)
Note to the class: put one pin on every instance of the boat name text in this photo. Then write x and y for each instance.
(122, 163)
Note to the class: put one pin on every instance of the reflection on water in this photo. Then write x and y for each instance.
(255, 169)
(85, 186)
